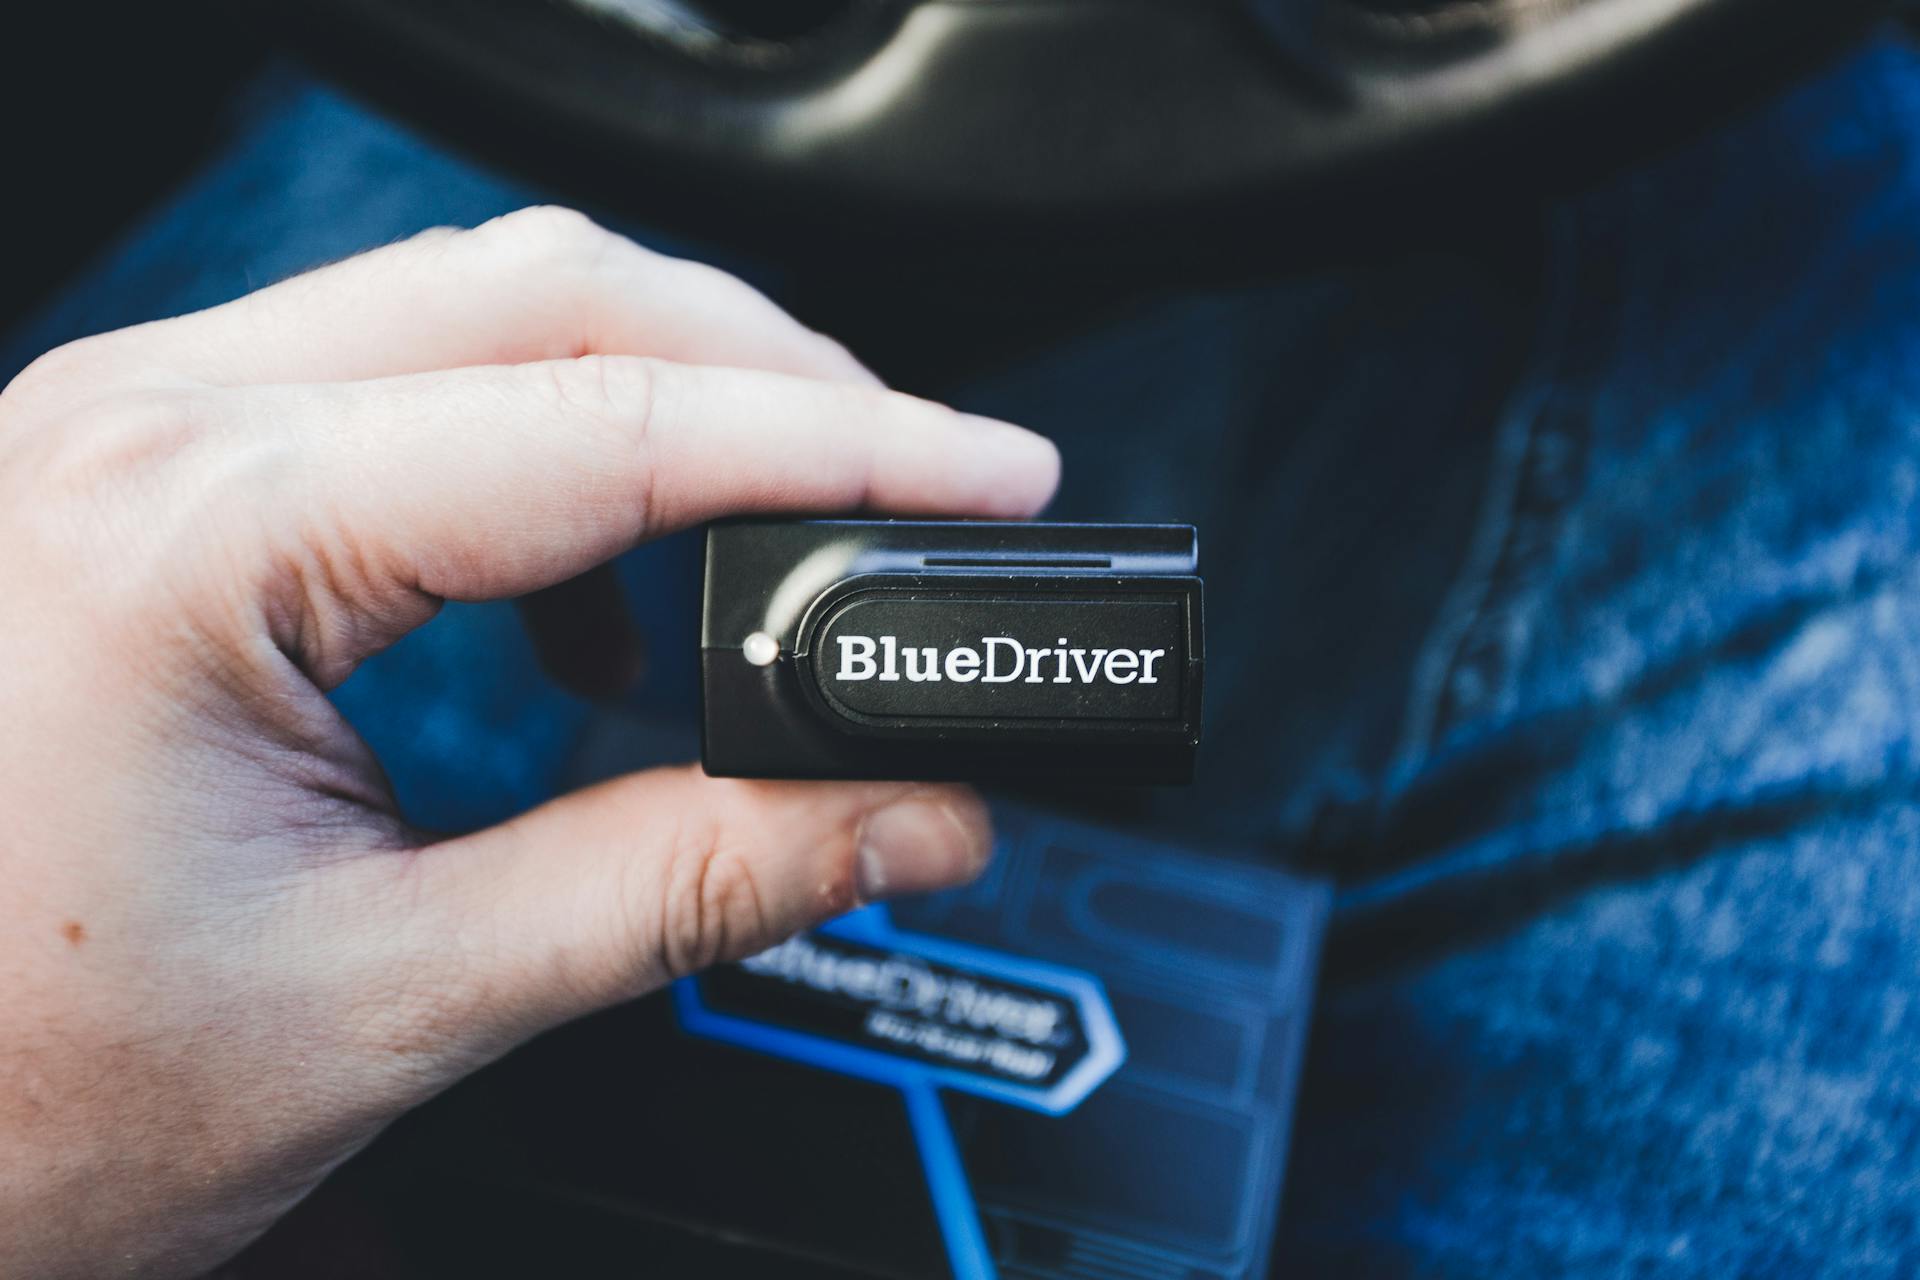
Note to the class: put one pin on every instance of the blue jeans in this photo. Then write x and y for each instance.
(1575, 626)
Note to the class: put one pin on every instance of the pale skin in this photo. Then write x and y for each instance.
(227, 958)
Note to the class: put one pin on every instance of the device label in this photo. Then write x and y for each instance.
(915, 656)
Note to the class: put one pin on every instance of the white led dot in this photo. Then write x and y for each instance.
(760, 649)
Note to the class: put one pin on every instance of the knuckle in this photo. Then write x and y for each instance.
(121, 511)
(105, 448)
(714, 907)
(591, 386)
(57, 375)
(547, 234)
(613, 399)
(436, 236)
(631, 384)
(153, 477)
(126, 443)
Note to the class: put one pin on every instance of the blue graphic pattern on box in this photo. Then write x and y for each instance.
(1173, 1166)
(1210, 968)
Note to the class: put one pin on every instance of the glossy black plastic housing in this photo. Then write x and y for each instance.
(952, 650)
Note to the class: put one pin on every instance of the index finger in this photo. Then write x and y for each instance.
(487, 482)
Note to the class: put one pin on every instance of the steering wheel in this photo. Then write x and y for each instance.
(1056, 129)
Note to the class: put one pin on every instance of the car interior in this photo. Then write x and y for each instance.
(966, 150)
(953, 181)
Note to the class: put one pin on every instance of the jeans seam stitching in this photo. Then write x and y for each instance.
(1480, 573)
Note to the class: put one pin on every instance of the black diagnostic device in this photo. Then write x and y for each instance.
(951, 650)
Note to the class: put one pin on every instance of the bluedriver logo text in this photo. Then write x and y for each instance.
(998, 660)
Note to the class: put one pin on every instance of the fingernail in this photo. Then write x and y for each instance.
(924, 841)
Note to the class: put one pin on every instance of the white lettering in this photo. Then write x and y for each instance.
(963, 665)
(993, 675)
(1003, 661)
(1147, 657)
(856, 658)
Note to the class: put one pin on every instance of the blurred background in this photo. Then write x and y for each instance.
(965, 151)
(1542, 376)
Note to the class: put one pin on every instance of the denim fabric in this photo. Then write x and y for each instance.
(1629, 988)
(1568, 611)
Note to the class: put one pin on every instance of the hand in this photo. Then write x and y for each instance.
(226, 958)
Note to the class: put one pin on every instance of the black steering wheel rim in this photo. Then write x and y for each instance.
(1062, 131)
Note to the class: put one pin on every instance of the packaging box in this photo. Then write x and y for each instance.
(637, 1142)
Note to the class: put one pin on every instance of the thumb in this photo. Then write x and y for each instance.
(613, 891)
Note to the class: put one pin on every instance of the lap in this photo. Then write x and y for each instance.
(1623, 970)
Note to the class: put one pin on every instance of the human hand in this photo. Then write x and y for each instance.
(227, 959)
